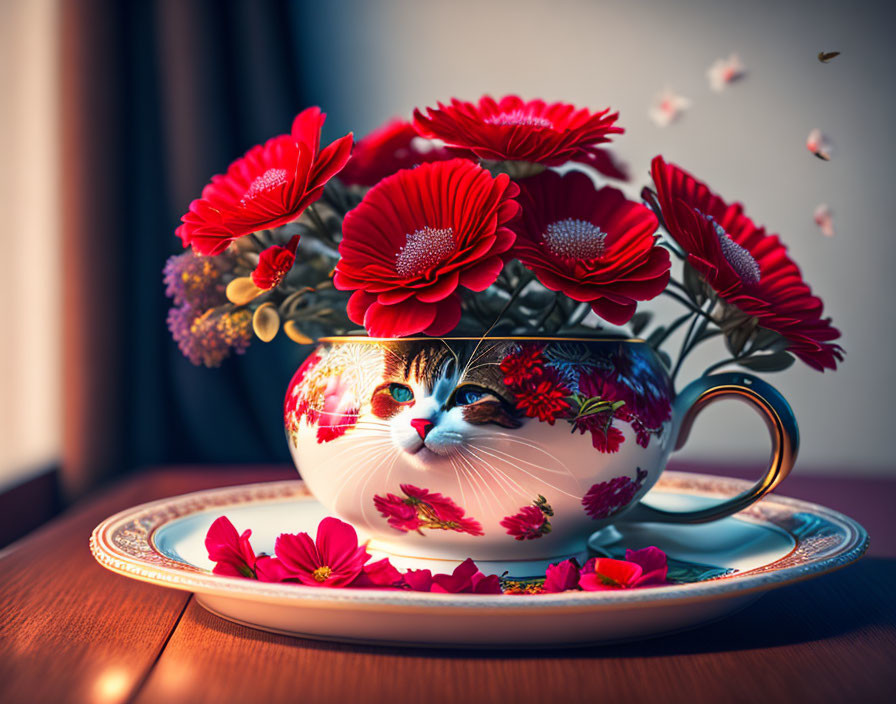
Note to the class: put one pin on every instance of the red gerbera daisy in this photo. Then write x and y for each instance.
(514, 130)
(415, 238)
(394, 146)
(748, 268)
(269, 186)
(593, 245)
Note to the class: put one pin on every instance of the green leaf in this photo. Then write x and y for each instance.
(775, 362)
(766, 339)
(639, 321)
(654, 337)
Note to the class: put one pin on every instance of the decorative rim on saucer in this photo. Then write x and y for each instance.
(124, 543)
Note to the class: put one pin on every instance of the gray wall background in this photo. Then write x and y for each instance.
(379, 59)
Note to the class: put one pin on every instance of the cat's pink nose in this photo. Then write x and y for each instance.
(422, 426)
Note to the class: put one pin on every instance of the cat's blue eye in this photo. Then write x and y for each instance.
(401, 393)
(466, 395)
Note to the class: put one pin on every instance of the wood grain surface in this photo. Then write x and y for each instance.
(71, 631)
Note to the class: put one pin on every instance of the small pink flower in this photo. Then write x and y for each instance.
(640, 568)
(465, 579)
(421, 508)
(232, 553)
(562, 576)
(379, 575)
(270, 569)
(398, 514)
(445, 509)
(528, 524)
(653, 563)
(334, 559)
(606, 499)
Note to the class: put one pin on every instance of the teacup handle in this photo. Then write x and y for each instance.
(776, 413)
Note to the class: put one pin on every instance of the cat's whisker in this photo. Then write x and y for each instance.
(540, 467)
(534, 476)
(452, 455)
(472, 358)
(488, 485)
(366, 445)
(363, 492)
(477, 484)
(535, 446)
(362, 466)
(510, 482)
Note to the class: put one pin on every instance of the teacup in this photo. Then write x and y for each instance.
(503, 449)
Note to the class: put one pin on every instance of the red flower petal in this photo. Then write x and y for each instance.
(388, 149)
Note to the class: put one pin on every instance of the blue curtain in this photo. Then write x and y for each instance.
(170, 93)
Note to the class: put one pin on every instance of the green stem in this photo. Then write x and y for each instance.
(319, 224)
(671, 329)
(694, 336)
(521, 284)
(685, 302)
(539, 324)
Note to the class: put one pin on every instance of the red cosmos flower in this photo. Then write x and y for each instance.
(334, 559)
(561, 577)
(640, 568)
(269, 186)
(594, 246)
(748, 268)
(394, 146)
(232, 553)
(514, 130)
(465, 579)
(415, 238)
(274, 263)
(528, 523)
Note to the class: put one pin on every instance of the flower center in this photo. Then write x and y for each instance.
(575, 239)
(519, 117)
(423, 249)
(268, 181)
(322, 574)
(740, 259)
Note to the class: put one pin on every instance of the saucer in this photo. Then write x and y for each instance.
(715, 568)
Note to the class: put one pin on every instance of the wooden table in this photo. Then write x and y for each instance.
(70, 631)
